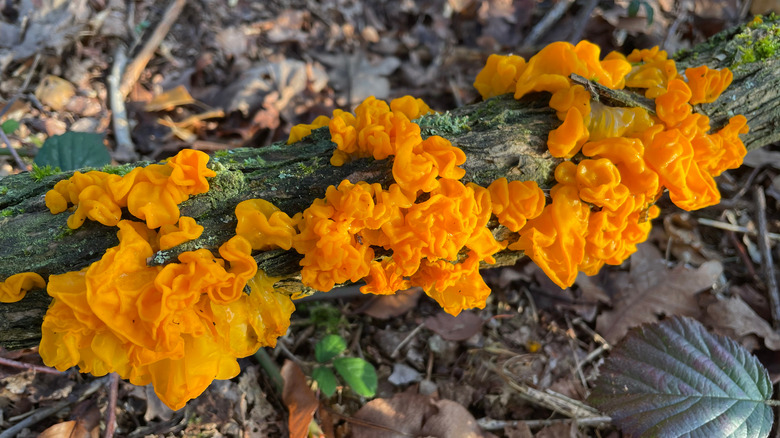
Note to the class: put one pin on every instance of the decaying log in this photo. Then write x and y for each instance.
(501, 138)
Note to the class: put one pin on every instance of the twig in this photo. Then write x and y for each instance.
(29, 366)
(549, 398)
(608, 96)
(270, 368)
(13, 151)
(51, 410)
(582, 20)
(547, 22)
(732, 236)
(594, 354)
(406, 340)
(577, 363)
(134, 69)
(125, 151)
(766, 256)
(30, 74)
(283, 348)
(491, 424)
(737, 228)
(113, 387)
(748, 183)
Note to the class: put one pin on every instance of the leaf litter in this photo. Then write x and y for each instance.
(270, 65)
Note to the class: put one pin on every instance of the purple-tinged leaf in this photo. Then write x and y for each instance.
(675, 378)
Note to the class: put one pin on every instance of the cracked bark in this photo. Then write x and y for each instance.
(501, 138)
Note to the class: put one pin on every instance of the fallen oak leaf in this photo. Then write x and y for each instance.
(408, 414)
(734, 318)
(454, 328)
(390, 306)
(652, 289)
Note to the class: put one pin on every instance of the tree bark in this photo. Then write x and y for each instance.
(501, 137)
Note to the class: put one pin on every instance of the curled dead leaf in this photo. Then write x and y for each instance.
(454, 328)
(651, 289)
(299, 399)
(55, 92)
(736, 319)
(408, 414)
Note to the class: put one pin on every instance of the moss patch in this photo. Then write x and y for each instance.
(38, 173)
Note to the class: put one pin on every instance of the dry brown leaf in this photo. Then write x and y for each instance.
(170, 99)
(356, 77)
(287, 78)
(298, 398)
(390, 306)
(69, 429)
(55, 92)
(736, 319)
(592, 288)
(232, 41)
(520, 430)
(50, 26)
(400, 416)
(414, 415)
(560, 430)
(652, 289)
(452, 419)
(455, 328)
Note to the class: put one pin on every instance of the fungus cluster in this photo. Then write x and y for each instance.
(617, 160)
(426, 229)
(177, 326)
(181, 325)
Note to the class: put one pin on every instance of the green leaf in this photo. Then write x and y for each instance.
(9, 126)
(649, 11)
(329, 347)
(676, 379)
(359, 374)
(633, 8)
(326, 380)
(73, 150)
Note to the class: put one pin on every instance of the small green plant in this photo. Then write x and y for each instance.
(9, 126)
(38, 173)
(633, 9)
(358, 373)
(326, 317)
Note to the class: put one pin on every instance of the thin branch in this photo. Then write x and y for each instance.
(547, 22)
(125, 151)
(29, 366)
(14, 153)
(113, 388)
(766, 256)
(137, 66)
(732, 227)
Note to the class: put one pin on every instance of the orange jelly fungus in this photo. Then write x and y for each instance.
(15, 287)
(178, 327)
(152, 193)
(630, 155)
(429, 228)
(264, 225)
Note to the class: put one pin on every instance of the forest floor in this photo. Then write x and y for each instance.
(245, 72)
